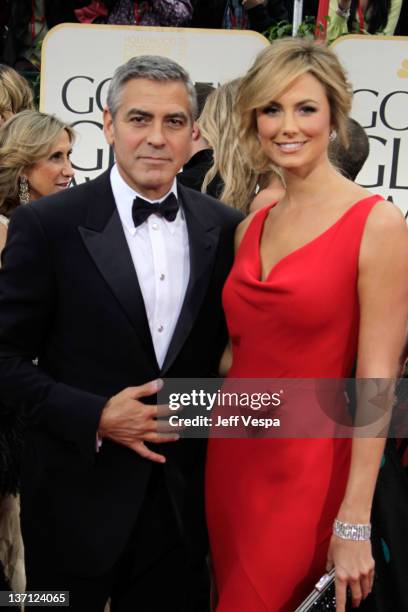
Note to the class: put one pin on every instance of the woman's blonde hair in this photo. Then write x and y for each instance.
(25, 139)
(219, 126)
(273, 71)
(15, 92)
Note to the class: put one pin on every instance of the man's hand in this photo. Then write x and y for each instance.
(128, 421)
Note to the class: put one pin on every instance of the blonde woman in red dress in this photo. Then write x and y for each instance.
(319, 286)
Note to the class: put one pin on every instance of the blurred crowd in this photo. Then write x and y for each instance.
(23, 24)
(23, 28)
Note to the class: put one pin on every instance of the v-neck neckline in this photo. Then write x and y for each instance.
(303, 246)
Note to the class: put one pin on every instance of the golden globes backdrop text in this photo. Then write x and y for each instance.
(78, 62)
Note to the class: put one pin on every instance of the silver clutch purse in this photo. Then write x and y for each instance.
(323, 596)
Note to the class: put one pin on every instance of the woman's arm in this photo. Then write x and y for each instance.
(393, 16)
(383, 298)
(337, 25)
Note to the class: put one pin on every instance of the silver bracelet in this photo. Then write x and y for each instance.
(341, 12)
(351, 531)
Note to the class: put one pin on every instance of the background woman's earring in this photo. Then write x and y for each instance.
(333, 135)
(23, 190)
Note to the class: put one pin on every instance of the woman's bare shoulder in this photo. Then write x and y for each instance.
(242, 228)
(385, 236)
(384, 217)
(386, 220)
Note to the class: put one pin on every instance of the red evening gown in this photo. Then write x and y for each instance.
(271, 502)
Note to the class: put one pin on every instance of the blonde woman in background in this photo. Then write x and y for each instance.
(15, 93)
(217, 165)
(35, 151)
(219, 126)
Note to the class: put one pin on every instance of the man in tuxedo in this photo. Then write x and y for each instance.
(113, 285)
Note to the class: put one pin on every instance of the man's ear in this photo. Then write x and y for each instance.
(196, 132)
(108, 128)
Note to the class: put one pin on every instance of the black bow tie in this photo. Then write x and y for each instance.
(142, 209)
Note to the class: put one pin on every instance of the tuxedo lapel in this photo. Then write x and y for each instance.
(105, 241)
(203, 236)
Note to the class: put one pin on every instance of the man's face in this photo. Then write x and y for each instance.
(151, 134)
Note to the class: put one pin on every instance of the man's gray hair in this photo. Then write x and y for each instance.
(153, 68)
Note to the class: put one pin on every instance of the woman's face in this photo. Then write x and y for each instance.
(294, 129)
(54, 172)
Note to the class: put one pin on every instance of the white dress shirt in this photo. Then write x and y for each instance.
(160, 254)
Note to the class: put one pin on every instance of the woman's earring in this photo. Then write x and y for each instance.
(333, 135)
(23, 190)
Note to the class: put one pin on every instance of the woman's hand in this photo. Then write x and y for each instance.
(354, 565)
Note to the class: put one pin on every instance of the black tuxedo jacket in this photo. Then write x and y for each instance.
(69, 296)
